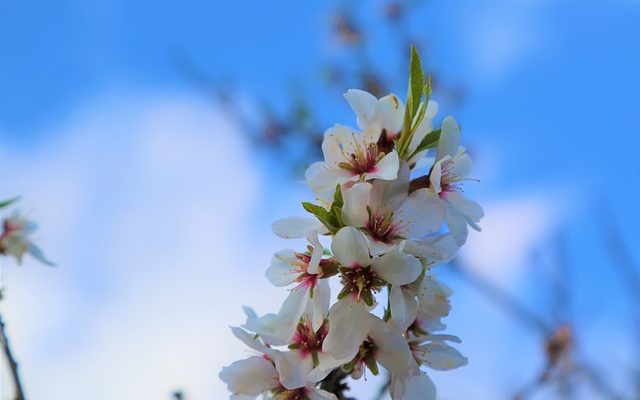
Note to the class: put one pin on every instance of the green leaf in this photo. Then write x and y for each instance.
(7, 202)
(372, 365)
(327, 218)
(338, 200)
(416, 81)
(429, 141)
(414, 95)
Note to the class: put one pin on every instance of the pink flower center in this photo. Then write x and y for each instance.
(363, 160)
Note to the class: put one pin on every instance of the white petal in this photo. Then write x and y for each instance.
(461, 164)
(297, 227)
(419, 387)
(434, 249)
(288, 364)
(449, 138)
(386, 168)
(291, 311)
(442, 357)
(323, 180)
(349, 323)
(350, 248)
(404, 307)
(432, 109)
(250, 377)
(363, 104)
(356, 199)
(249, 340)
(321, 300)
(386, 196)
(267, 327)
(338, 144)
(421, 213)
(397, 268)
(282, 272)
(316, 254)
(326, 364)
(457, 224)
(468, 208)
(391, 109)
(393, 352)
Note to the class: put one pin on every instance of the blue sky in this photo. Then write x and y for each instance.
(96, 123)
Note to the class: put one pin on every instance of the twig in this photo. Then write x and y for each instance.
(13, 365)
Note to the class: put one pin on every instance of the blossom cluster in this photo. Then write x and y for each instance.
(15, 236)
(389, 208)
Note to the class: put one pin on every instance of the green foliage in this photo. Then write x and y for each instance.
(332, 218)
(5, 203)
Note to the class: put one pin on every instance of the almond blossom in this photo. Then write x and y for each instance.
(452, 166)
(15, 239)
(388, 227)
(350, 156)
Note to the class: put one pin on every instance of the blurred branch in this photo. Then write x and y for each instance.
(503, 299)
(13, 365)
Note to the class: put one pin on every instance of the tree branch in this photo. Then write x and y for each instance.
(13, 365)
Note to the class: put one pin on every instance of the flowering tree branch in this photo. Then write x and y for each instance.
(384, 235)
(15, 242)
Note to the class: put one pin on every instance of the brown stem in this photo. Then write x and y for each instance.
(6, 348)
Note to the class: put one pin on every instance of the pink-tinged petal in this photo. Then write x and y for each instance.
(469, 208)
(339, 143)
(323, 180)
(386, 168)
(288, 365)
(421, 213)
(350, 248)
(319, 394)
(363, 105)
(316, 254)
(449, 138)
(404, 307)
(391, 109)
(442, 357)
(349, 323)
(250, 377)
(388, 195)
(297, 227)
(282, 272)
(392, 350)
(354, 210)
(320, 301)
(397, 268)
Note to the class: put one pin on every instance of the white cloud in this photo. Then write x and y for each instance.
(511, 230)
(145, 204)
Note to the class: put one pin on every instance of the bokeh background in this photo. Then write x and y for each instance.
(146, 138)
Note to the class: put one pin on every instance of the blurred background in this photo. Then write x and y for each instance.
(155, 142)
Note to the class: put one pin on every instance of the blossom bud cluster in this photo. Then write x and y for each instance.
(389, 208)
